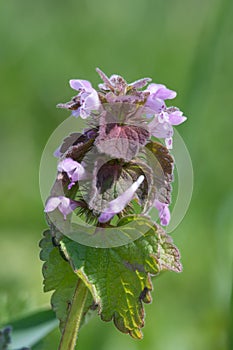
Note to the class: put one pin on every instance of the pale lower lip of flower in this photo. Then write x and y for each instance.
(65, 205)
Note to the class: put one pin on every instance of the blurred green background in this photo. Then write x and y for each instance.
(187, 45)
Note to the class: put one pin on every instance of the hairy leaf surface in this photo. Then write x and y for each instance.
(120, 278)
(59, 276)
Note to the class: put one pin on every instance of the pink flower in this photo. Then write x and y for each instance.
(74, 170)
(158, 94)
(89, 98)
(118, 204)
(64, 205)
(164, 212)
(161, 125)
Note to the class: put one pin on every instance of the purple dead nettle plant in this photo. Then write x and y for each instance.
(110, 176)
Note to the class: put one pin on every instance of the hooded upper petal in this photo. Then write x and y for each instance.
(161, 91)
(118, 204)
(68, 165)
(81, 85)
(158, 94)
(74, 170)
(52, 204)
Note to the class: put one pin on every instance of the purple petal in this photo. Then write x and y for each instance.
(91, 133)
(52, 204)
(68, 165)
(118, 204)
(160, 130)
(161, 91)
(92, 100)
(164, 213)
(176, 118)
(153, 88)
(155, 104)
(57, 153)
(169, 142)
(165, 216)
(80, 85)
(73, 204)
(79, 173)
(74, 170)
(76, 113)
(71, 184)
(84, 113)
(105, 217)
(166, 94)
(66, 206)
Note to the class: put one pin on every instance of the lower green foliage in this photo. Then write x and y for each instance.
(118, 279)
(59, 276)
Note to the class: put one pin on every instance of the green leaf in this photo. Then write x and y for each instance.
(31, 328)
(59, 276)
(120, 278)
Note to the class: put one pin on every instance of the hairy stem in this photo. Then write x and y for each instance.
(70, 332)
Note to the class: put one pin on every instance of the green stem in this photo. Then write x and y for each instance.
(70, 332)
